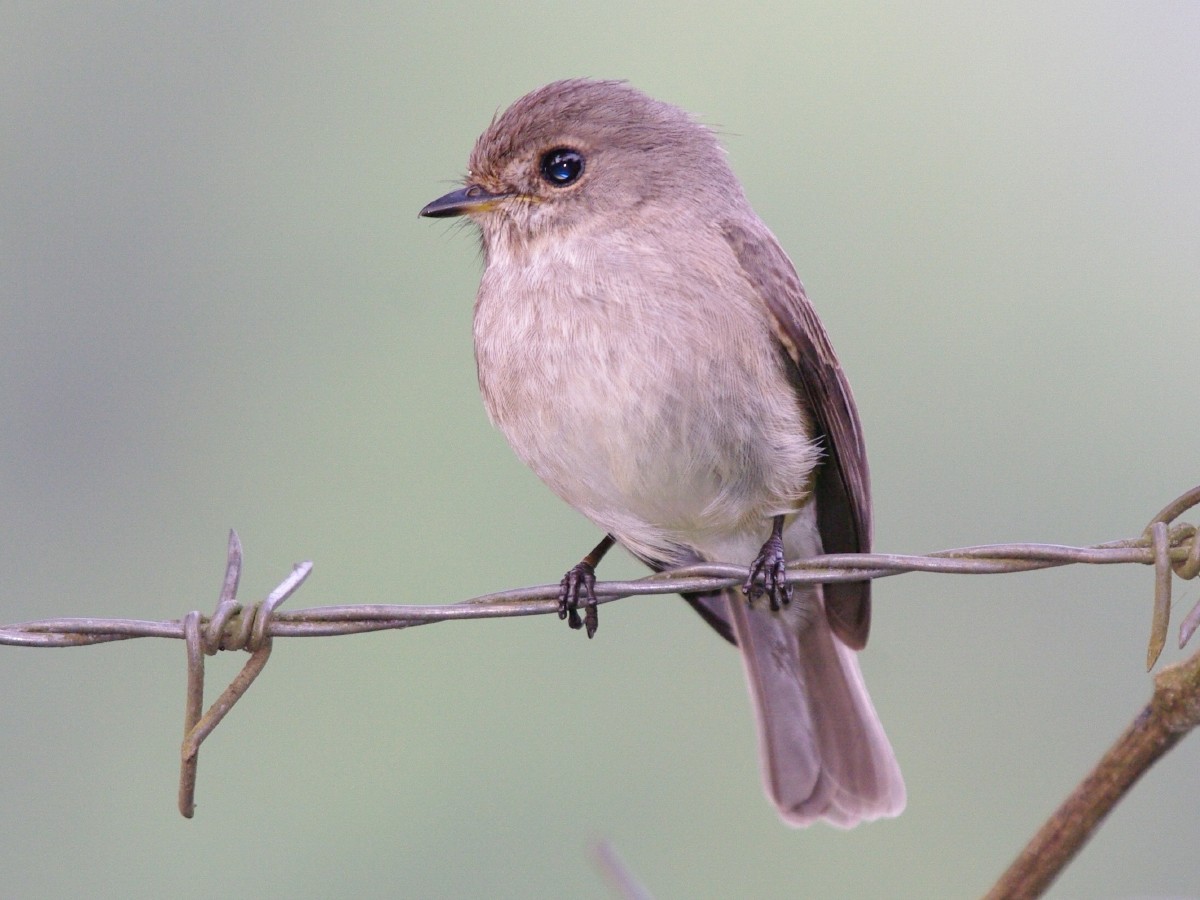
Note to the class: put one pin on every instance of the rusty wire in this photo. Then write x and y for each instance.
(1166, 546)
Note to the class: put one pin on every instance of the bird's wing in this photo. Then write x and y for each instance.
(843, 487)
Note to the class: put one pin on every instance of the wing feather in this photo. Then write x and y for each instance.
(843, 486)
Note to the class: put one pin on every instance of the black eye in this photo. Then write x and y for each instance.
(561, 166)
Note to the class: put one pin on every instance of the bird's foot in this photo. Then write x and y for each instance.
(578, 585)
(771, 568)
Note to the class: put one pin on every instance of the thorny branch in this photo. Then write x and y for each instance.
(1172, 711)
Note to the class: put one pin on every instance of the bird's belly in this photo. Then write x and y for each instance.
(663, 416)
(667, 458)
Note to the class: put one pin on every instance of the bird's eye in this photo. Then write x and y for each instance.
(561, 166)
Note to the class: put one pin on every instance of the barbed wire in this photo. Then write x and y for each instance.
(1168, 546)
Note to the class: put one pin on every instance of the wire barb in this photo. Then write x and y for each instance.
(230, 628)
(1161, 619)
(1166, 545)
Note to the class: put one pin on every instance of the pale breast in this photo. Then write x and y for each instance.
(646, 393)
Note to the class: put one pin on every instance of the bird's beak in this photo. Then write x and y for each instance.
(471, 199)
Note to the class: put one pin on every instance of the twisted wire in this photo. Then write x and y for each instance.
(1171, 547)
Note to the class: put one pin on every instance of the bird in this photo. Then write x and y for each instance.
(645, 345)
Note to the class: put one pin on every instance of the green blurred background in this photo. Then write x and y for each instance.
(218, 308)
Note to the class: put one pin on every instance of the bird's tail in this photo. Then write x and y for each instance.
(824, 751)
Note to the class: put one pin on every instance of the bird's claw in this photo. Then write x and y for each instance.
(579, 584)
(771, 567)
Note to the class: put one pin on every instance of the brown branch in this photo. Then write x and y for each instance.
(1173, 711)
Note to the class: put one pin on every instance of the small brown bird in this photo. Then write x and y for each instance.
(646, 347)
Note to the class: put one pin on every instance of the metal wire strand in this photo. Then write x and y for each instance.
(1166, 546)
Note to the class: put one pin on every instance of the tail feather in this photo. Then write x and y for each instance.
(824, 752)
